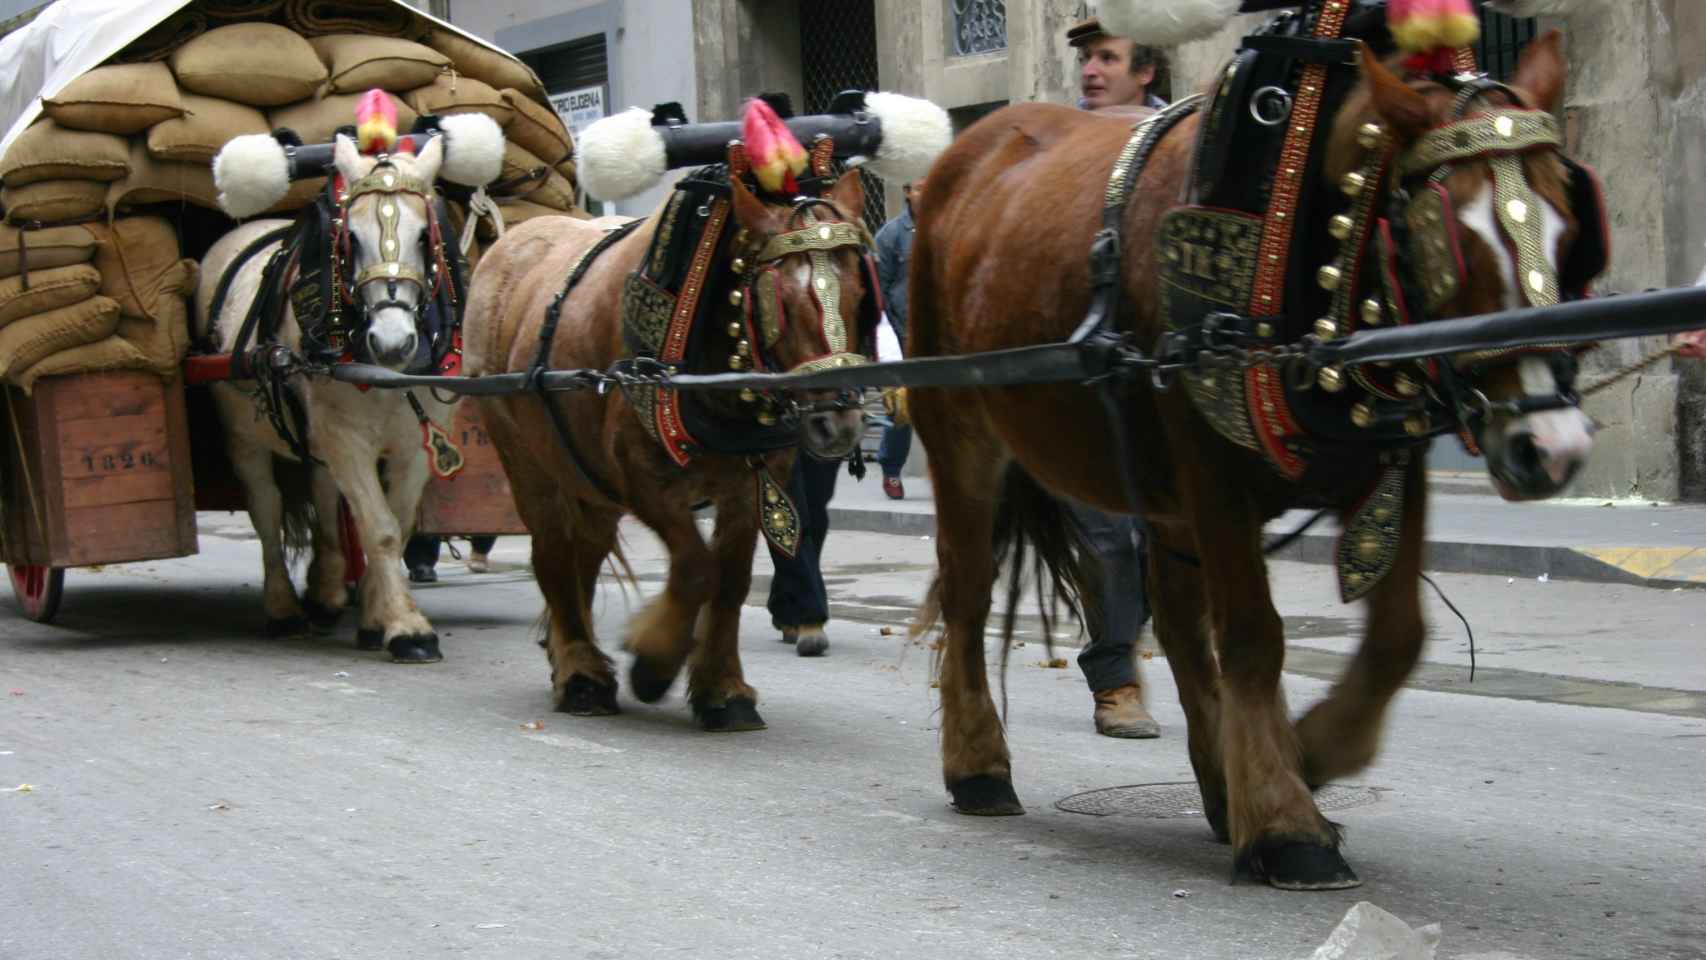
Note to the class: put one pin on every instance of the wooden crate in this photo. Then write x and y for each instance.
(97, 471)
(478, 499)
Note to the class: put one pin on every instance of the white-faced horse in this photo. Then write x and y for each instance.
(383, 303)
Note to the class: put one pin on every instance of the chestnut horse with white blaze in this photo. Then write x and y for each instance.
(999, 262)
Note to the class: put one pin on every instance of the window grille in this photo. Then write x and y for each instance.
(1501, 43)
(978, 26)
(838, 51)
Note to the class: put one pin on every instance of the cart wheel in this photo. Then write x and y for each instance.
(38, 589)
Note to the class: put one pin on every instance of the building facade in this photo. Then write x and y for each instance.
(1635, 109)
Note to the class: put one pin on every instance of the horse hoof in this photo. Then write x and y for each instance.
(648, 681)
(1289, 863)
(420, 648)
(986, 796)
(321, 617)
(738, 714)
(287, 626)
(368, 638)
(812, 644)
(586, 697)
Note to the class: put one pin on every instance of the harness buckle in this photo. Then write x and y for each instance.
(1105, 257)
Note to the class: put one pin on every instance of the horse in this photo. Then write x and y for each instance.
(998, 262)
(376, 246)
(779, 290)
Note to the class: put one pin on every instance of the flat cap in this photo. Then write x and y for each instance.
(1085, 31)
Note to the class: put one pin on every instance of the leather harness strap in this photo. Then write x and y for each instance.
(541, 362)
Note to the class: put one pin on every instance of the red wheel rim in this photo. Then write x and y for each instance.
(38, 589)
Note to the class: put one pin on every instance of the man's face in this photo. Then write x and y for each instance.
(1104, 75)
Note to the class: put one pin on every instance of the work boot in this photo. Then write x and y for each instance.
(478, 562)
(893, 489)
(423, 575)
(809, 639)
(1120, 713)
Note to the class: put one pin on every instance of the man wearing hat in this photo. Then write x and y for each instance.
(1114, 76)
(1114, 72)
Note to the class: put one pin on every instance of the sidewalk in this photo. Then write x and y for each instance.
(1658, 545)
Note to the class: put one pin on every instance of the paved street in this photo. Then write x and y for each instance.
(197, 792)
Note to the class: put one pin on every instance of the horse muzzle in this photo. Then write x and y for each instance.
(832, 434)
(1536, 461)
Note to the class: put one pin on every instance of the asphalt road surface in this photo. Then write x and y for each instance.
(195, 791)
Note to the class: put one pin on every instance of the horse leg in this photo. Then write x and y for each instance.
(389, 616)
(966, 473)
(1177, 588)
(406, 475)
(661, 635)
(1277, 833)
(253, 463)
(721, 698)
(567, 557)
(327, 596)
(1341, 734)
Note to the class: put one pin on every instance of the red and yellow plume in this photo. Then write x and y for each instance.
(1430, 30)
(777, 157)
(375, 122)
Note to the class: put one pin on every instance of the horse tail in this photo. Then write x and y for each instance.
(295, 487)
(1037, 538)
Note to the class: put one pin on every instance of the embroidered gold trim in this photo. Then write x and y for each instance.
(1493, 132)
(818, 236)
(1368, 547)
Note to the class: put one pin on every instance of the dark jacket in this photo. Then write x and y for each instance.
(894, 253)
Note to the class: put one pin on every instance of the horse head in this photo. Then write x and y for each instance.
(1483, 213)
(387, 241)
(806, 299)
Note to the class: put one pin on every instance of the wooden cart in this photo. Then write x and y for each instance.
(99, 468)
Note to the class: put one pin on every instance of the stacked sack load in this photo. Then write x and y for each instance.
(97, 192)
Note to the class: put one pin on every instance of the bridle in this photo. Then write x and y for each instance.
(757, 264)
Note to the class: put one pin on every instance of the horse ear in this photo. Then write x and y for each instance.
(750, 212)
(428, 160)
(848, 195)
(347, 158)
(1541, 71)
(1404, 110)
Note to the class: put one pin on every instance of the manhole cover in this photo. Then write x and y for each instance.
(1167, 801)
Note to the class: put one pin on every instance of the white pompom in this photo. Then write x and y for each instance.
(252, 173)
(1163, 23)
(620, 155)
(473, 149)
(915, 132)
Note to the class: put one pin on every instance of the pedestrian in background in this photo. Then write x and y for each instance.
(894, 257)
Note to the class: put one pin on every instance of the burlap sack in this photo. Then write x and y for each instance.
(54, 201)
(260, 64)
(43, 249)
(48, 289)
(316, 120)
(518, 211)
(567, 169)
(495, 69)
(556, 192)
(140, 264)
(301, 194)
(359, 63)
(153, 180)
(111, 353)
(123, 98)
(164, 340)
(207, 123)
(537, 129)
(519, 164)
(25, 343)
(48, 151)
(458, 94)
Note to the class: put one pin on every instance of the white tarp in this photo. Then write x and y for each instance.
(74, 36)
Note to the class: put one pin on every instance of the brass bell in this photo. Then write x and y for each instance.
(1368, 548)
(1326, 329)
(1329, 277)
(1370, 135)
(1371, 315)
(1353, 184)
(735, 297)
(737, 362)
(1264, 329)
(734, 328)
(1406, 385)
(768, 419)
(1332, 379)
(1416, 426)
(1362, 415)
(747, 396)
(743, 347)
(1340, 227)
(738, 265)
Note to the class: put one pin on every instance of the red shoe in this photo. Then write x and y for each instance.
(892, 487)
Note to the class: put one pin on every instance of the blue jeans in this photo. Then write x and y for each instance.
(1110, 658)
(797, 594)
(892, 452)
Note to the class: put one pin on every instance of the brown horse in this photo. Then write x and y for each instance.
(572, 509)
(1000, 262)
